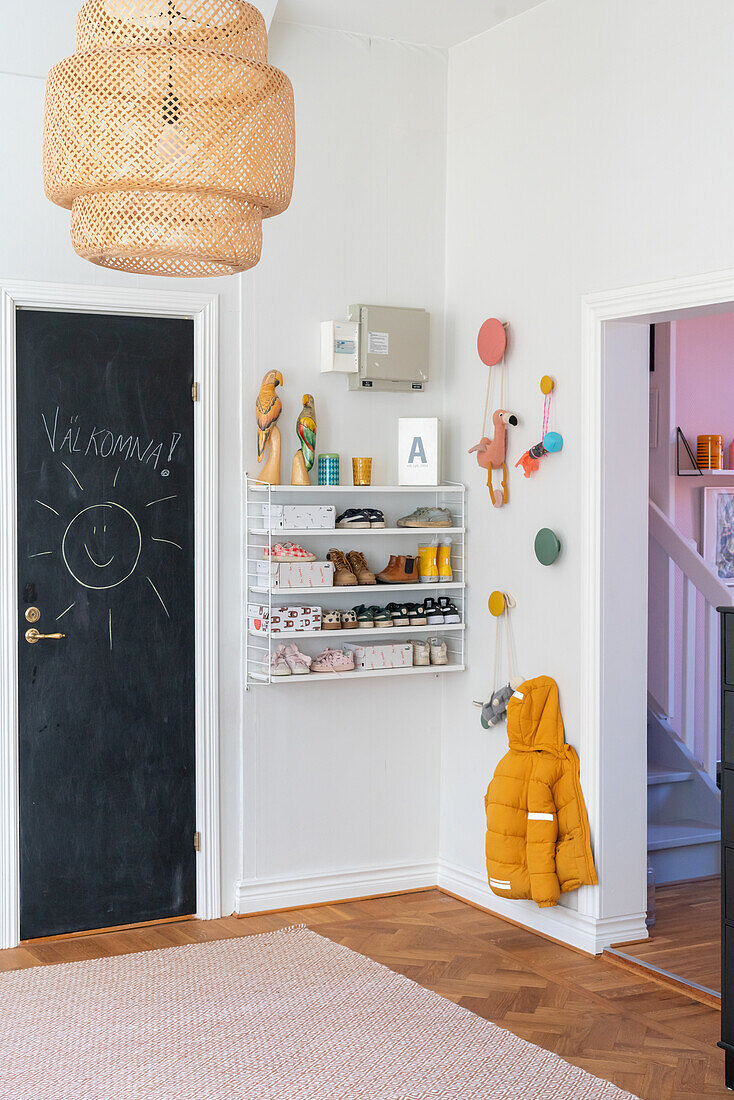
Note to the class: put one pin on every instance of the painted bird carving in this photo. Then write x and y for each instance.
(306, 430)
(303, 459)
(269, 408)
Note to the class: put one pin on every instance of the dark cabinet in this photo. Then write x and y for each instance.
(727, 840)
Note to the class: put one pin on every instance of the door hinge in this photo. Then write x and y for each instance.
(197, 842)
(195, 391)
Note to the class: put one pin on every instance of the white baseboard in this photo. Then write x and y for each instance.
(258, 895)
(589, 934)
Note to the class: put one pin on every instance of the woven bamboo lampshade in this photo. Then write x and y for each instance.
(168, 136)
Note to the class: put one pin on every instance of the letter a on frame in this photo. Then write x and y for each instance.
(417, 452)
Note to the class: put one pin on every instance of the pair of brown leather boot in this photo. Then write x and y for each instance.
(351, 568)
(400, 569)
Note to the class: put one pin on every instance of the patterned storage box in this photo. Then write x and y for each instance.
(289, 517)
(295, 574)
(318, 517)
(284, 619)
(381, 656)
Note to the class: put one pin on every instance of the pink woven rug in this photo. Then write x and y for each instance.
(287, 1015)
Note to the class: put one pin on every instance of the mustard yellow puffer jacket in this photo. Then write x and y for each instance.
(538, 843)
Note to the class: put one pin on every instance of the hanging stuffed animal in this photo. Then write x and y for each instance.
(492, 453)
(550, 442)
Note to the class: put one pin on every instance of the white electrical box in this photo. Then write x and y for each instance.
(339, 347)
(393, 348)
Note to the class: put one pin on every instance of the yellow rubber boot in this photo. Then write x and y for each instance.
(427, 564)
(443, 557)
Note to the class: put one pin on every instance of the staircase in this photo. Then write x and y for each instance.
(683, 800)
(683, 808)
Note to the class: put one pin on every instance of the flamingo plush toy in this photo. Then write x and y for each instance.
(492, 454)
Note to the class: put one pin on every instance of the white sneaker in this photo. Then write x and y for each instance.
(298, 662)
(439, 653)
(278, 664)
(421, 653)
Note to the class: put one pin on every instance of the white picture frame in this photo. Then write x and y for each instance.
(419, 450)
(718, 530)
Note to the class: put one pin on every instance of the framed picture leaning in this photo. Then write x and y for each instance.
(718, 530)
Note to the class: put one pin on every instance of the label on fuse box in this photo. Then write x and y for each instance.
(378, 343)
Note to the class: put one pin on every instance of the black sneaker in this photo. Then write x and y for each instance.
(417, 614)
(376, 517)
(434, 614)
(399, 614)
(449, 610)
(354, 518)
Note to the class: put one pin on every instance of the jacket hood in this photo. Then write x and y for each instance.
(534, 721)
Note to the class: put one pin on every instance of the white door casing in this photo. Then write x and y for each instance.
(614, 593)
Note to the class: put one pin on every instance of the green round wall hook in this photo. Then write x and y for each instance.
(547, 546)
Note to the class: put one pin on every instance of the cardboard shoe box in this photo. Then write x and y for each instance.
(295, 574)
(369, 657)
(284, 619)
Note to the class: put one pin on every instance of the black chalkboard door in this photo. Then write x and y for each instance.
(106, 555)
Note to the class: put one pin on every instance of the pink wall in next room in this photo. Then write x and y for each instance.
(704, 402)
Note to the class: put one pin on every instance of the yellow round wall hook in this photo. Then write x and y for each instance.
(547, 385)
(497, 603)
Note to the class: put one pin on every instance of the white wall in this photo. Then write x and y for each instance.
(340, 780)
(584, 154)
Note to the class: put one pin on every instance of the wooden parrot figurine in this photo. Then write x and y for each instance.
(269, 407)
(303, 459)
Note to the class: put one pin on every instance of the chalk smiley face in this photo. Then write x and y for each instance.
(101, 546)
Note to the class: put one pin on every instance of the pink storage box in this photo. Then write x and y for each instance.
(296, 574)
(381, 656)
(284, 619)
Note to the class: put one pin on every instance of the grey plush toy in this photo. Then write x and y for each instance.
(495, 709)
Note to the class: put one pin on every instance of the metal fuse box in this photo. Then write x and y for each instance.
(339, 347)
(394, 345)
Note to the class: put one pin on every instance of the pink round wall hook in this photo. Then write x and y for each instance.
(492, 342)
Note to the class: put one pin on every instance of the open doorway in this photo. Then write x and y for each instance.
(690, 574)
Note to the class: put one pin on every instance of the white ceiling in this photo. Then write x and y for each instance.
(430, 22)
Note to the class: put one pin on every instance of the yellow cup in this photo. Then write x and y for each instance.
(362, 471)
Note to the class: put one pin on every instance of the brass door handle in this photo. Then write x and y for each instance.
(32, 636)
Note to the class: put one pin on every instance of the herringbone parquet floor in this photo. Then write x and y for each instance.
(645, 1038)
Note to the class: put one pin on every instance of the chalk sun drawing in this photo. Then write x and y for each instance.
(102, 544)
(82, 531)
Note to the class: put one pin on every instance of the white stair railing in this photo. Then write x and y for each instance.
(698, 669)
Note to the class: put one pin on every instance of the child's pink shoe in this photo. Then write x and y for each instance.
(299, 663)
(333, 660)
(278, 664)
(288, 551)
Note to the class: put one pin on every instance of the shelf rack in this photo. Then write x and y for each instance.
(399, 500)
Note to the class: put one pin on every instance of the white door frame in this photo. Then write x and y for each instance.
(203, 310)
(613, 679)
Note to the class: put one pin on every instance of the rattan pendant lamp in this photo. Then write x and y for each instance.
(168, 136)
